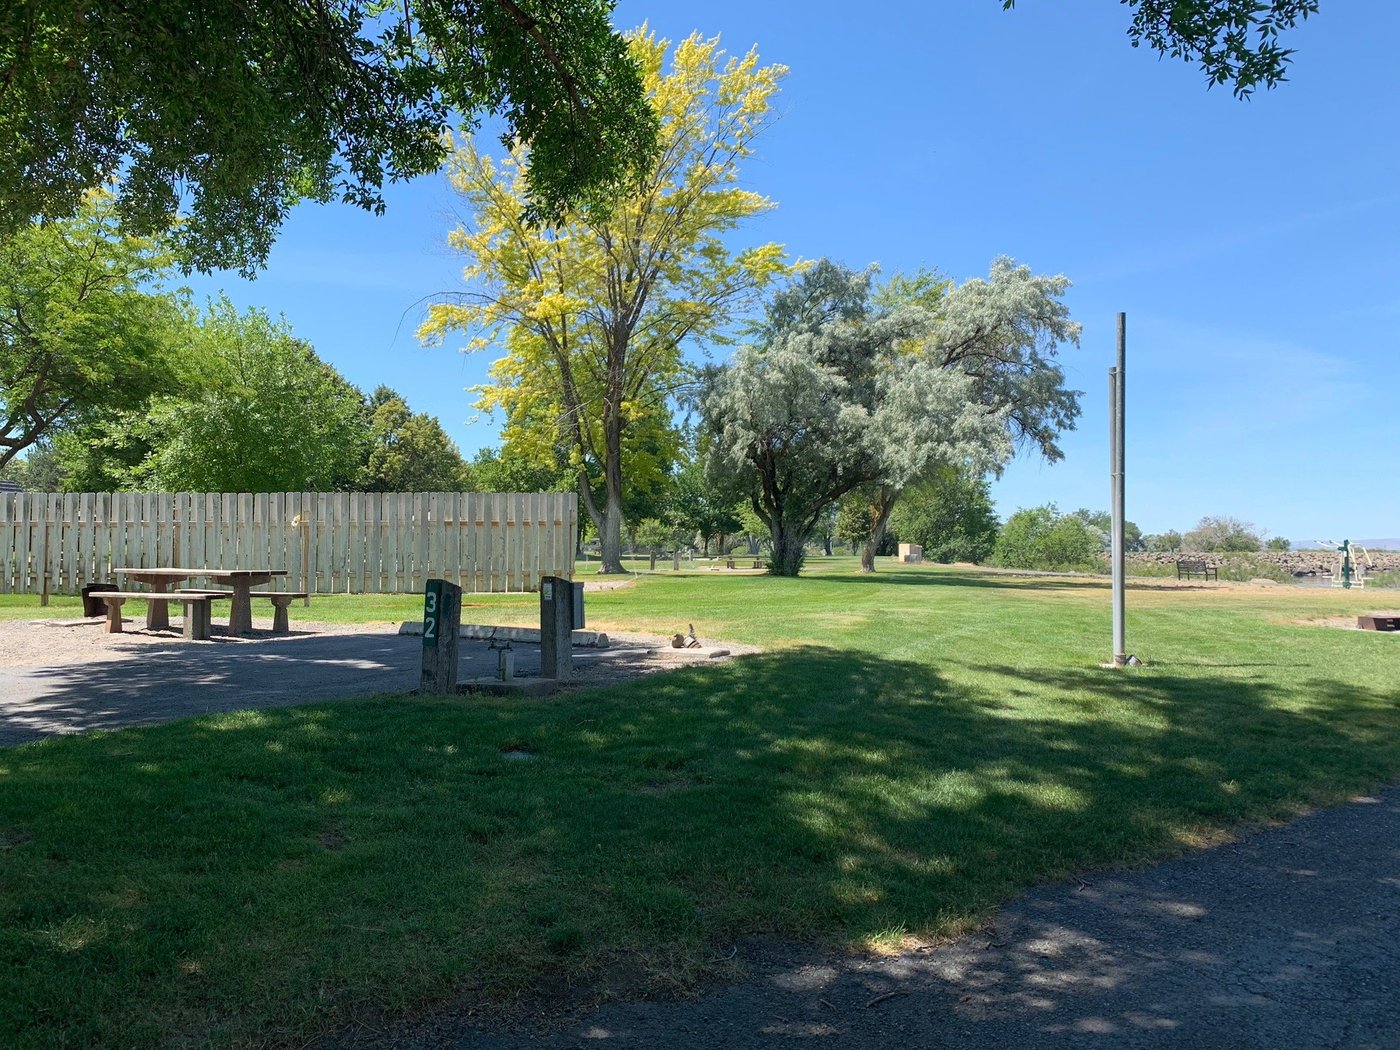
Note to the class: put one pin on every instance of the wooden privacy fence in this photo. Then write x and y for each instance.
(329, 542)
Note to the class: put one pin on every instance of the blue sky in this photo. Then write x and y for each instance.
(1254, 246)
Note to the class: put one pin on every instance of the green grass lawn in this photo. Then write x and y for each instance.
(912, 749)
(27, 607)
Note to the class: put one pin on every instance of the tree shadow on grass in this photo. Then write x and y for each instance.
(285, 869)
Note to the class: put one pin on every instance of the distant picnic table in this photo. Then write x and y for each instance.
(240, 583)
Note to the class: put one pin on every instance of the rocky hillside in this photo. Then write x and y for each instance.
(1294, 562)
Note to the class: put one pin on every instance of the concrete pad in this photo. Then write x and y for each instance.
(701, 652)
(490, 633)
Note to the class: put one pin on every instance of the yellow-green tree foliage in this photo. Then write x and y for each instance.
(592, 314)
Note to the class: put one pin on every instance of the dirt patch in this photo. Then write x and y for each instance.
(631, 656)
(607, 585)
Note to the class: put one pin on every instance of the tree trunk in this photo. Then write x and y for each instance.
(826, 545)
(610, 534)
(789, 551)
(653, 559)
(884, 503)
(610, 537)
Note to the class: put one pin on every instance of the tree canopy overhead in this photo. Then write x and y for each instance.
(241, 108)
(1235, 41)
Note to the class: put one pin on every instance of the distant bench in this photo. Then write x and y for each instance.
(1186, 569)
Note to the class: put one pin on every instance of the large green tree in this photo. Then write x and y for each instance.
(1043, 538)
(593, 314)
(408, 451)
(82, 329)
(240, 108)
(501, 470)
(700, 505)
(1236, 42)
(950, 515)
(270, 416)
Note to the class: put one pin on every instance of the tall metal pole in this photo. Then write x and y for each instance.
(1119, 388)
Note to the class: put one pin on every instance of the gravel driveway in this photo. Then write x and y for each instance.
(56, 680)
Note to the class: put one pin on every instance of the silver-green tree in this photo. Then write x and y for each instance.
(827, 399)
(1222, 533)
(1003, 333)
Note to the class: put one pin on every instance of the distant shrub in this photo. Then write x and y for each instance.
(1163, 541)
(1043, 538)
(1244, 566)
(961, 547)
(1150, 568)
(1222, 534)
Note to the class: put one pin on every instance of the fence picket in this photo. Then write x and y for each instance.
(7, 541)
(101, 541)
(146, 538)
(401, 544)
(355, 552)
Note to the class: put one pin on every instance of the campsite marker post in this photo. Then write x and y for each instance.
(442, 619)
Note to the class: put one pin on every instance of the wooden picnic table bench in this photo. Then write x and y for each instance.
(196, 609)
(240, 582)
(1187, 568)
(281, 600)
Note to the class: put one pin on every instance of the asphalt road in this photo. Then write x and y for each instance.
(1289, 938)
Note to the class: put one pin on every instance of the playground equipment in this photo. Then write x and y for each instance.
(1348, 572)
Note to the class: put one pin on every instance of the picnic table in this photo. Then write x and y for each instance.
(239, 581)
